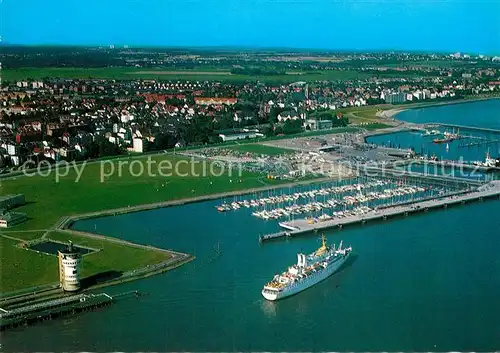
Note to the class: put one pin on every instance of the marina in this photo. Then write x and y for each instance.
(361, 216)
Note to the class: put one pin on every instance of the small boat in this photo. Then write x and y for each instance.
(443, 140)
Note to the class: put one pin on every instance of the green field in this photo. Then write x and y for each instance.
(20, 268)
(119, 257)
(376, 126)
(261, 149)
(48, 200)
(24, 235)
(366, 114)
(201, 74)
(23, 268)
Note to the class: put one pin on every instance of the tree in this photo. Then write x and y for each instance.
(102, 147)
(292, 126)
(268, 131)
(164, 140)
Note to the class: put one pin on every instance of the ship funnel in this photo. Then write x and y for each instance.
(301, 260)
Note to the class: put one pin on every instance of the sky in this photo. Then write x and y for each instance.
(471, 26)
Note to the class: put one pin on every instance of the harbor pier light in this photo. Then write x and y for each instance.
(69, 268)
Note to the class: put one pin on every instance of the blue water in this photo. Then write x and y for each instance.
(454, 150)
(429, 282)
(479, 114)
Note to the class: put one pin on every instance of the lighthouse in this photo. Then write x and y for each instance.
(69, 268)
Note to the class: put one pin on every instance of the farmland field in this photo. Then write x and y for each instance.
(200, 74)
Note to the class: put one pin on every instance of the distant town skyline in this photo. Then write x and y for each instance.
(401, 25)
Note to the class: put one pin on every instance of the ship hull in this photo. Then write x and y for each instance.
(306, 283)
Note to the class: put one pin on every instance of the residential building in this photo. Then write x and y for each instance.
(395, 98)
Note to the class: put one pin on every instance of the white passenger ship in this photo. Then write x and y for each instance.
(308, 271)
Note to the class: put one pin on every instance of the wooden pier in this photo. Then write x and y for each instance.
(51, 309)
(304, 226)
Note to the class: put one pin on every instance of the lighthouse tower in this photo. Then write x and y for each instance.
(69, 269)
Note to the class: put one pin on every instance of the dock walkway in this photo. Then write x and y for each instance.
(303, 226)
(459, 165)
(464, 127)
(50, 309)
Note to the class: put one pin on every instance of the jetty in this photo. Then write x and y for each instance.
(463, 127)
(303, 226)
(459, 165)
(47, 310)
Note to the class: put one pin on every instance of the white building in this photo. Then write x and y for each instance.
(15, 160)
(138, 145)
(240, 135)
(11, 150)
(125, 118)
(289, 115)
(418, 95)
(69, 269)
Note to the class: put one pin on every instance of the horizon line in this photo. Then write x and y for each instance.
(242, 48)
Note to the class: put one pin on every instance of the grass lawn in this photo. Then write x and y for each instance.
(261, 149)
(24, 235)
(114, 256)
(376, 126)
(367, 114)
(21, 268)
(49, 200)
